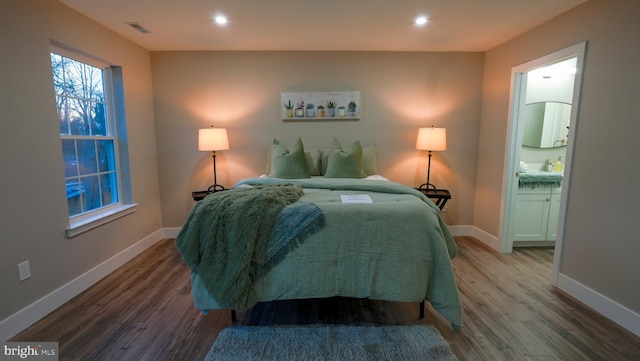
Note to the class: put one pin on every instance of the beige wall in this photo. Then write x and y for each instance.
(601, 238)
(33, 207)
(241, 92)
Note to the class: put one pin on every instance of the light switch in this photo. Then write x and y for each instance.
(24, 270)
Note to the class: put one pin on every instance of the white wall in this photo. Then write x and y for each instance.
(34, 206)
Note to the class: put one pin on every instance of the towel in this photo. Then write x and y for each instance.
(544, 179)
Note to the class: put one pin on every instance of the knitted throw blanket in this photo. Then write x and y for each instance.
(227, 238)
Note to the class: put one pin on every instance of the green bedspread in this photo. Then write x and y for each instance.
(396, 249)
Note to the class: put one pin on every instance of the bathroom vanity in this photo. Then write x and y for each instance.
(537, 212)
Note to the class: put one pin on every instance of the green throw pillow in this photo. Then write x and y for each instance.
(289, 164)
(313, 156)
(369, 162)
(345, 163)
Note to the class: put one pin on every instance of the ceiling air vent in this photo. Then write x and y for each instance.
(138, 27)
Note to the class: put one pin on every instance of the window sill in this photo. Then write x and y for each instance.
(89, 223)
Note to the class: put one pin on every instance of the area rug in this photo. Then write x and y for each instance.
(416, 342)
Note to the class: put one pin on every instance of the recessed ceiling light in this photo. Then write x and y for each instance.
(421, 20)
(220, 19)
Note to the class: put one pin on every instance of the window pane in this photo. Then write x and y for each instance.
(73, 77)
(98, 124)
(58, 74)
(95, 83)
(92, 193)
(77, 116)
(106, 156)
(70, 158)
(61, 105)
(87, 156)
(109, 186)
(75, 195)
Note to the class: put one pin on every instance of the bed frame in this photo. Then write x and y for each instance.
(234, 317)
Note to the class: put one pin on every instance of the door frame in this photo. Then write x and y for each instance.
(514, 144)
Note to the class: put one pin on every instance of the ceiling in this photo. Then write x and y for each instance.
(358, 25)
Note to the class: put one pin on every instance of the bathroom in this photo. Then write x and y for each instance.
(549, 94)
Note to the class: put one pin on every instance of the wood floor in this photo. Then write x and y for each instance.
(144, 311)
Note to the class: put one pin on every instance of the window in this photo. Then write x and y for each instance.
(86, 106)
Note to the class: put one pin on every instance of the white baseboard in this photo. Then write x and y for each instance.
(460, 230)
(171, 232)
(610, 309)
(486, 238)
(29, 315)
(476, 232)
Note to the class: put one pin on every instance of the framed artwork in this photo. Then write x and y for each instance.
(338, 105)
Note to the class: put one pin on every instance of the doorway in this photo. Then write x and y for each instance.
(520, 97)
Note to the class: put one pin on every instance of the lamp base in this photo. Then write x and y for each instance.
(215, 188)
(426, 187)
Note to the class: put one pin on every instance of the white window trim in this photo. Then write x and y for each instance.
(85, 222)
(89, 222)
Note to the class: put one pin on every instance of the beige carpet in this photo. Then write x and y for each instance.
(308, 343)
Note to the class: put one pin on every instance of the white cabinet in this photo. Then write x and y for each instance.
(537, 212)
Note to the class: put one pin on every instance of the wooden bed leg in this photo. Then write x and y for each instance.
(422, 310)
(233, 315)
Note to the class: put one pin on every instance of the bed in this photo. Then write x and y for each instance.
(395, 247)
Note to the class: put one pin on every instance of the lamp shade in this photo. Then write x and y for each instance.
(432, 139)
(212, 139)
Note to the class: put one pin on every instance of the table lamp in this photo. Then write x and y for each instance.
(213, 139)
(431, 139)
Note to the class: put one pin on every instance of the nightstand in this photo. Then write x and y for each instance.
(439, 196)
(199, 195)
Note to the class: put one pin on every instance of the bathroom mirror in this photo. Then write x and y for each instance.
(546, 124)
